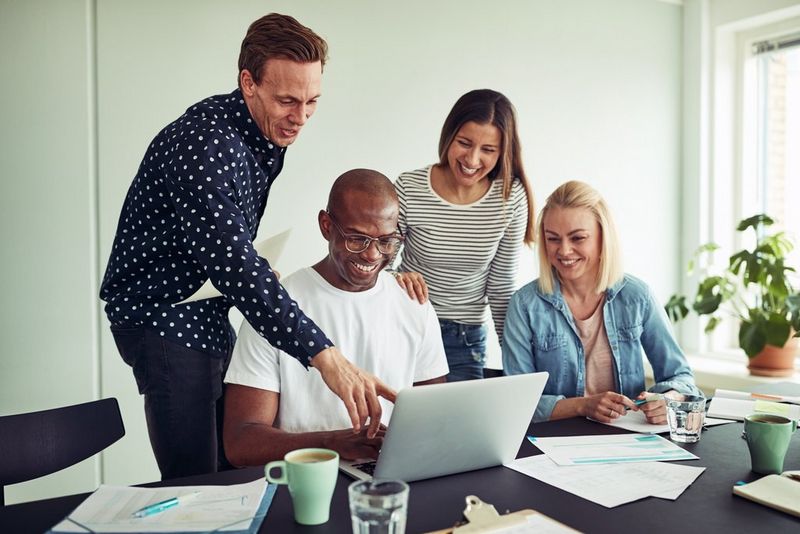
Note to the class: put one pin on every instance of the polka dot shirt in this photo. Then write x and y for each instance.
(191, 214)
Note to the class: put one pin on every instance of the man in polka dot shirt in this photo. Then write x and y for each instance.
(191, 214)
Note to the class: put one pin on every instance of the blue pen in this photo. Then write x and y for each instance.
(159, 507)
(651, 398)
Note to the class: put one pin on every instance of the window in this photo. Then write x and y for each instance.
(771, 179)
(754, 159)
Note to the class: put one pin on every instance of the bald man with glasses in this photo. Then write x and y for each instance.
(272, 404)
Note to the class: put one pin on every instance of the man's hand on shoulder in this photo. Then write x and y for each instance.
(358, 389)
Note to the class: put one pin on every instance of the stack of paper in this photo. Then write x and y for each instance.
(633, 464)
(631, 482)
(616, 448)
(738, 404)
(234, 509)
(635, 421)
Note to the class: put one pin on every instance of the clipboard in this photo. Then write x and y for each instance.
(482, 518)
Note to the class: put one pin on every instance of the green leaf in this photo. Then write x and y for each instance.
(736, 261)
(709, 295)
(751, 338)
(712, 323)
(777, 329)
(793, 305)
(755, 222)
(676, 308)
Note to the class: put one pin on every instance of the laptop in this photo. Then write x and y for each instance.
(441, 429)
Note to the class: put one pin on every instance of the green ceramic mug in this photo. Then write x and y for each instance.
(768, 439)
(311, 477)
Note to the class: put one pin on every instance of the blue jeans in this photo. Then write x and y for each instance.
(183, 400)
(465, 347)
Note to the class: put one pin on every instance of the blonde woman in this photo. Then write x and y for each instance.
(587, 323)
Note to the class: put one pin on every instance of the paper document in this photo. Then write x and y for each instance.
(270, 248)
(743, 395)
(617, 448)
(631, 482)
(781, 492)
(743, 404)
(234, 508)
(637, 422)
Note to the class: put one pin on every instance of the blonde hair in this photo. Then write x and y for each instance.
(574, 194)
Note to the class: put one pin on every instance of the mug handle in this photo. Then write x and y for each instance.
(278, 464)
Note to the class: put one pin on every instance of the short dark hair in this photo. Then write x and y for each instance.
(484, 106)
(279, 36)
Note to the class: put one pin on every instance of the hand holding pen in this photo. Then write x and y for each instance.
(653, 406)
(606, 407)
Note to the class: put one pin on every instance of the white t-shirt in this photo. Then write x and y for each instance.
(381, 330)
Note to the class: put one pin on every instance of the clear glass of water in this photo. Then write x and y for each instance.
(378, 506)
(686, 418)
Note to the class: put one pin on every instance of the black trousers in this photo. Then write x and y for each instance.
(183, 400)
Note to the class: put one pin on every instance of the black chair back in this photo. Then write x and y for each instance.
(39, 443)
(492, 373)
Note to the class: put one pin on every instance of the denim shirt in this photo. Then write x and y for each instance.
(540, 335)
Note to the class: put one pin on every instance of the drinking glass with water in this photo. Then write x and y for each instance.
(686, 418)
(378, 506)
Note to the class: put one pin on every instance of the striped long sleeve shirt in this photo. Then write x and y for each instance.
(468, 254)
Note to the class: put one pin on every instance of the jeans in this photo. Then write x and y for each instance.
(465, 347)
(183, 400)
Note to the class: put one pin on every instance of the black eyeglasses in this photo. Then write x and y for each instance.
(357, 243)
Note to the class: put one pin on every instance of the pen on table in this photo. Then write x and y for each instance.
(160, 506)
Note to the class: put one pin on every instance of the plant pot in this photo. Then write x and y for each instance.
(775, 361)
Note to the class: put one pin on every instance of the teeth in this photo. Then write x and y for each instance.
(468, 170)
(568, 262)
(364, 268)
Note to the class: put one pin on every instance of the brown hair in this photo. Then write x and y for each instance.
(279, 36)
(484, 106)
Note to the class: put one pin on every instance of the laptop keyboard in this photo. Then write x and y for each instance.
(367, 467)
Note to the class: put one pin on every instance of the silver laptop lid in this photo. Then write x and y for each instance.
(441, 429)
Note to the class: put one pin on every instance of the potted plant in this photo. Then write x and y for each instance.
(755, 289)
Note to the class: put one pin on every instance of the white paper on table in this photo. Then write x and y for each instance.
(217, 508)
(630, 482)
(616, 448)
(738, 409)
(270, 249)
(635, 421)
(744, 395)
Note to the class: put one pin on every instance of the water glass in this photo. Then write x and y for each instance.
(686, 418)
(378, 506)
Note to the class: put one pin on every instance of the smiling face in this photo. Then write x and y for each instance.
(285, 99)
(358, 213)
(473, 153)
(573, 242)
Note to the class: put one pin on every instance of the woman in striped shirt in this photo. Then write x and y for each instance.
(465, 219)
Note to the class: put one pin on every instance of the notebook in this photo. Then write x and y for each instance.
(781, 492)
(736, 405)
(441, 429)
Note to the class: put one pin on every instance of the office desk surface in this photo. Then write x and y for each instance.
(706, 506)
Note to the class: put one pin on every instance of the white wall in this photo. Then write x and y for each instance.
(596, 83)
